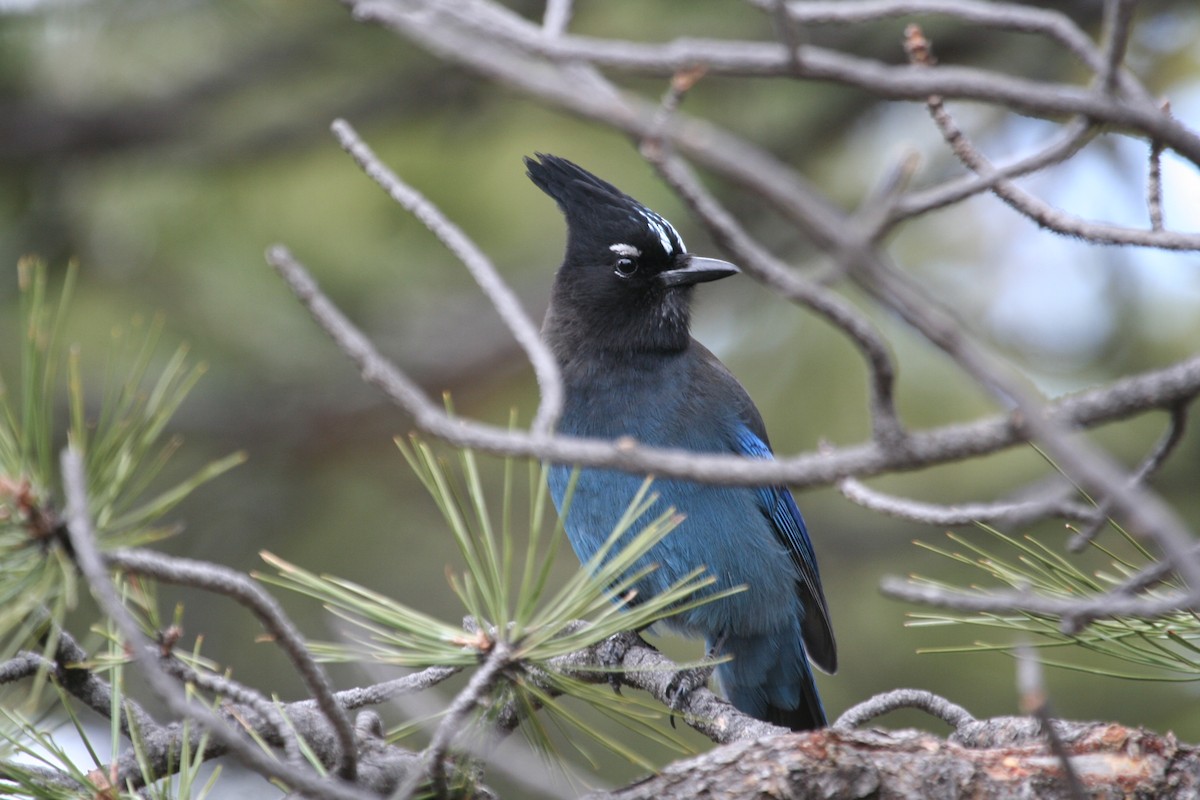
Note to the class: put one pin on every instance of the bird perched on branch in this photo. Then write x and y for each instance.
(618, 325)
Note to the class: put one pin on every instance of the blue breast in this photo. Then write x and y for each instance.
(727, 530)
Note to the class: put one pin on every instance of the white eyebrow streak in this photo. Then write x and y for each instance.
(625, 250)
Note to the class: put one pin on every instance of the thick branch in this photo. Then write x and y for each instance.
(900, 765)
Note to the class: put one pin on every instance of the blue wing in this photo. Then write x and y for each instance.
(780, 507)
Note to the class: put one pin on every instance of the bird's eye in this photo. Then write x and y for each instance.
(625, 266)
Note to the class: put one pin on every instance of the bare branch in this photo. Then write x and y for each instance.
(82, 537)
(758, 262)
(1008, 513)
(94, 692)
(1118, 14)
(1040, 212)
(1069, 141)
(238, 587)
(950, 713)
(1155, 459)
(375, 694)
(629, 659)
(1075, 613)
(766, 59)
(480, 266)
(230, 689)
(1052, 24)
(557, 17)
(455, 720)
(23, 665)
(1154, 202)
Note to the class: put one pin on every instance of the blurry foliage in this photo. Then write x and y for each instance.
(121, 438)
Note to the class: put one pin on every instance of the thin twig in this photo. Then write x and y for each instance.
(503, 299)
(1154, 200)
(952, 714)
(1068, 141)
(241, 694)
(90, 562)
(1073, 613)
(1135, 584)
(237, 586)
(1037, 210)
(1010, 513)
(1155, 459)
(1118, 18)
(454, 722)
(375, 694)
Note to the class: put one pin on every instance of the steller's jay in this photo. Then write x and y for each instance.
(618, 326)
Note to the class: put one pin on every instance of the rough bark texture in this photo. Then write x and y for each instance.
(1002, 758)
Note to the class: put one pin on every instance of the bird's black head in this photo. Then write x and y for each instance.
(625, 282)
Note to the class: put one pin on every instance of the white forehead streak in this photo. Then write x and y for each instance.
(661, 227)
(625, 250)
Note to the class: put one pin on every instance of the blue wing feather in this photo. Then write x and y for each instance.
(779, 505)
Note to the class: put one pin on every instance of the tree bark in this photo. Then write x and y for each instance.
(1000, 758)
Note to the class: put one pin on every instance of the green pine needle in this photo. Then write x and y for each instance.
(123, 440)
(1165, 649)
(511, 597)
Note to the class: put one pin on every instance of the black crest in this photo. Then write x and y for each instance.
(598, 213)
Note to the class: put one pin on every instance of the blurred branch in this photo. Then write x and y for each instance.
(1176, 427)
(557, 17)
(1046, 22)
(1034, 702)
(1075, 613)
(455, 721)
(426, 20)
(1118, 18)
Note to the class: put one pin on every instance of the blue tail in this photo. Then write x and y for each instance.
(769, 678)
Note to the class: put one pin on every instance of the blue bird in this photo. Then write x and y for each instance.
(618, 324)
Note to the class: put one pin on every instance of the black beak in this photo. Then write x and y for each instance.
(697, 270)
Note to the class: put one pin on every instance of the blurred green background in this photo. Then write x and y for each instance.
(165, 145)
